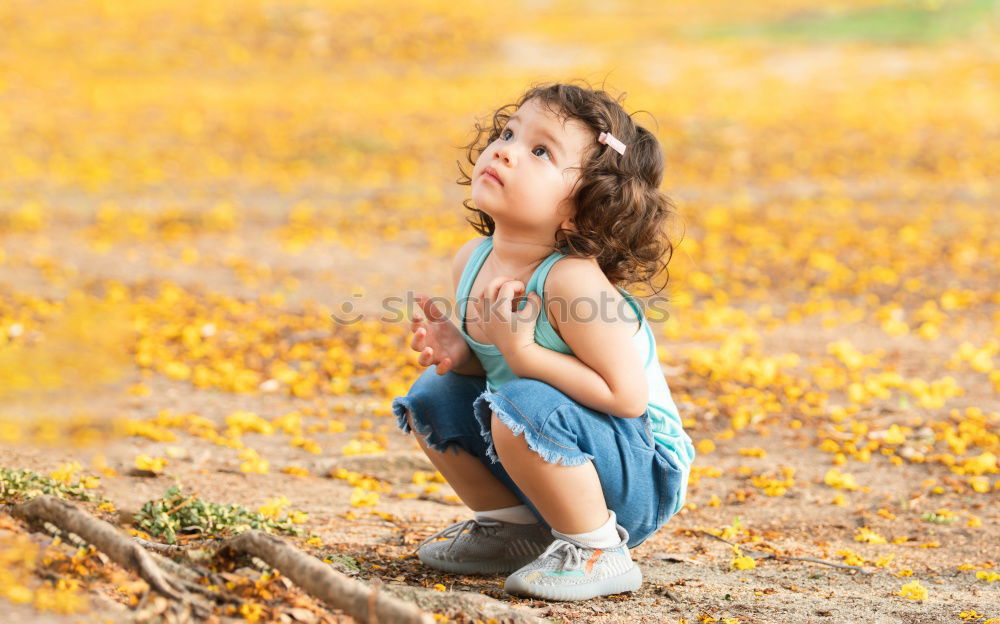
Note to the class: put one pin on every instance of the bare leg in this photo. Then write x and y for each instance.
(472, 481)
(570, 498)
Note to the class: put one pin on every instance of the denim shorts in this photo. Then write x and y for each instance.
(641, 479)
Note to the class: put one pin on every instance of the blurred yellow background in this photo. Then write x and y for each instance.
(188, 191)
(222, 174)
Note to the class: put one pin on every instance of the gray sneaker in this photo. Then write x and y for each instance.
(484, 546)
(569, 570)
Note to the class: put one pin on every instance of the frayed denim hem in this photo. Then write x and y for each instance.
(532, 435)
(399, 407)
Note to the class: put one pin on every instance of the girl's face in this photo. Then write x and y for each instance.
(523, 179)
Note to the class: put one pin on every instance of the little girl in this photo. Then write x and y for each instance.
(546, 408)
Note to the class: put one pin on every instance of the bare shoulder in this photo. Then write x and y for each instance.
(572, 277)
(462, 258)
(581, 280)
(598, 325)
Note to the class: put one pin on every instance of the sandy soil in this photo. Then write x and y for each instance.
(687, 572)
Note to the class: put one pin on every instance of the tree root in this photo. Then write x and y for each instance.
(122, 550)
(187, 578)
(178, 584)
(102, 535)
(354, 598)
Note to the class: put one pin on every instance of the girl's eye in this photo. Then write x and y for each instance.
(503, 134)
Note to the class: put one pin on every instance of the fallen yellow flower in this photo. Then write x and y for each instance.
(913, 591)
(273, 507)
(65, 473)
(741, 561)
(150, 464)
(866, 535)
(363, 498)
(842, 481)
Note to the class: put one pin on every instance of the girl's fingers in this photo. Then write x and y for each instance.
(417, 343)
(509, 289)
(444, 366)
(429, 308)
(494, 286)
(426, 357)
(418, 313)
(489, 294)
(532, 306)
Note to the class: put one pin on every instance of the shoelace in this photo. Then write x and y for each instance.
(571, 553)
(458, 528)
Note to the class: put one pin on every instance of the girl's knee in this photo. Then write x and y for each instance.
(440, 422)
(507, 445)
(423, 432)
(404, 417)
(422, 424)
(501, 431)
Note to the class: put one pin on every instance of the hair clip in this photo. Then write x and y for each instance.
(609, 139)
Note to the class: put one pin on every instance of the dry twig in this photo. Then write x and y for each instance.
(768, 555)
(169, 549)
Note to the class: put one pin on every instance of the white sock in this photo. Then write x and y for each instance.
(604, 536)
(518, 514)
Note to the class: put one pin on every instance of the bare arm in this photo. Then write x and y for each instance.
(573, 378)
(605, 371)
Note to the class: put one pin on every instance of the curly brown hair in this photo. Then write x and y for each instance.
(621, 214)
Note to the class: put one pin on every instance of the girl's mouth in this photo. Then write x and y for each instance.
(493, 176)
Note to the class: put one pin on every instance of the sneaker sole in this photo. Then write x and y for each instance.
(629, 581)
(474, 567)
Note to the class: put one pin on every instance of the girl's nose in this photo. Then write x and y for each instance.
(507, 153)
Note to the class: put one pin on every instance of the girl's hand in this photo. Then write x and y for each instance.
(508, 329)
(436, 338)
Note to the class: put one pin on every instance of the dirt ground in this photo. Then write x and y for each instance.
(687, 572)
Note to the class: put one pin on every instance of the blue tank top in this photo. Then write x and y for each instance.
(663, 415)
